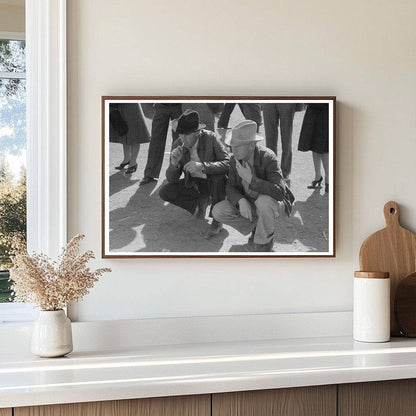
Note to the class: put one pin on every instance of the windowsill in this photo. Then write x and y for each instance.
(16, 313)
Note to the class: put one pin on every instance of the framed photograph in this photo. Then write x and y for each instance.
(218, 176)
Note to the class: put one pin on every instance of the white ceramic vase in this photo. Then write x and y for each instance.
(52, 334)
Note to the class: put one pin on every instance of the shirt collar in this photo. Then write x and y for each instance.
(252, 160)
(256, 156)
(195, 146)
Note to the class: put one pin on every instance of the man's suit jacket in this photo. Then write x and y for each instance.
(211, 152)
(267, 179)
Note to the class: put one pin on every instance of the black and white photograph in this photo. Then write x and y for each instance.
(218, 176)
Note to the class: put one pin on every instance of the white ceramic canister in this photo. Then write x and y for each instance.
(371, 312)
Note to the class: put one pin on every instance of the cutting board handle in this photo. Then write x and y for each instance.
(391, 214)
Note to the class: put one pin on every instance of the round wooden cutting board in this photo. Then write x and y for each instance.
(393, 250)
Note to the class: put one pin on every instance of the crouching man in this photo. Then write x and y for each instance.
(256, 193)
(204, 161)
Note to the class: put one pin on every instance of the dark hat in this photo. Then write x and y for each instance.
(187, 123)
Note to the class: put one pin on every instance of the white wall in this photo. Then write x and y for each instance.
(363, 52)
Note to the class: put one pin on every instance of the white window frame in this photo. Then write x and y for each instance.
(14, 312)
(46, 127)
(12, 35)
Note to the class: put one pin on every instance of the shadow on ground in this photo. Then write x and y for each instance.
(308, 224)
(176, 230)
(119, 181)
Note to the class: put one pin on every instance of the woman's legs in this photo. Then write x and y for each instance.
(317, 160)
(130, 154)
(126, 157)
(325, 163)
(134, 151)
(317, 165)
(126, 152)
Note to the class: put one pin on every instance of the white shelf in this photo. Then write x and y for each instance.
(150, 371)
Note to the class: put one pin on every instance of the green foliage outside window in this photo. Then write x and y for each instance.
(12, 223)
(12, 145)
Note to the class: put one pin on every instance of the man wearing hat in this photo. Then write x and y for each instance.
(256, 191)
(204, 160)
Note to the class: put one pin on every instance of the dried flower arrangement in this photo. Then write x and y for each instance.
(53, 285)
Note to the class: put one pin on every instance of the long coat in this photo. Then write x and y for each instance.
(267, 179)
(211, 152)
(137, 132)
(314, 134)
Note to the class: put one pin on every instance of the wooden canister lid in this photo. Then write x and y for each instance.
(372, 275)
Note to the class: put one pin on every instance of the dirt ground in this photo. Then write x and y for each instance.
(141, 222)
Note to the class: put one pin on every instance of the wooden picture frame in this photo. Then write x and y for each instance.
(138, 223)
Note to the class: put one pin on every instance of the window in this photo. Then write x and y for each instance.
(45, 27)
(12, 154)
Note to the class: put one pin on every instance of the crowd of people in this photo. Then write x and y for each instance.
(225, 169)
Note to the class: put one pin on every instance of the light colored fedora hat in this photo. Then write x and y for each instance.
(243, 133)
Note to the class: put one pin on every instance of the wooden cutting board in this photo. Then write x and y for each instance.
(393, 250)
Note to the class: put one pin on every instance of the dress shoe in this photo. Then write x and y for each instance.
(202, 207)
(315, 184)
(213, 230)
(131, 169)
(268, 247)
(146, 180)
(121, 166)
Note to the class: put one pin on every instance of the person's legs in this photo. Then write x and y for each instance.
(126, 157)
(227, 213)
(225, 116)
(204, 200)
(271, 124)
(177, 194)
(317, 165)
(126, 154)
(194, 200)
(216, 189)
(268, 211)
(175, 111)
(134, 151)
(325, 163)
(252, 112)
(316, 183)
(286, 115)
(157, 144)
